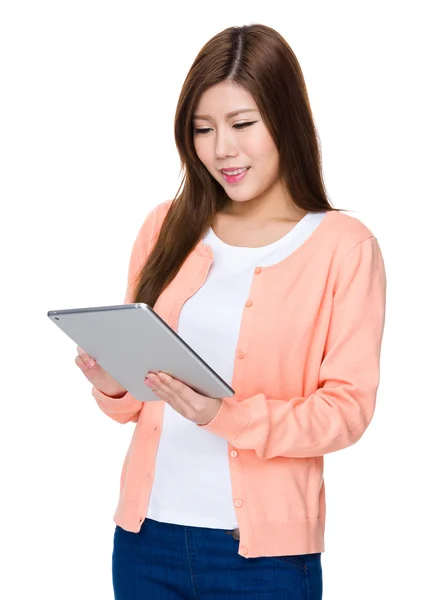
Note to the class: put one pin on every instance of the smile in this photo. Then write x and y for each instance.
(235, 178)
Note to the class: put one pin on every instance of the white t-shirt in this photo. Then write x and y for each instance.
(192, 484)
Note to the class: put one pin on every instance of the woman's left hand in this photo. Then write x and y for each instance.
(191, 405)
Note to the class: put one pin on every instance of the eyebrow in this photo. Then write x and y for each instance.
(229, 115)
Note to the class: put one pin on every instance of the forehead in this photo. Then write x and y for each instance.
(223, 98)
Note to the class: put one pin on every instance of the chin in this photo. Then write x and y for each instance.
(240, 194)
(244, 195)
(240, 200)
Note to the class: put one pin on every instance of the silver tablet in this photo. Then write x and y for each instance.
(129, 340)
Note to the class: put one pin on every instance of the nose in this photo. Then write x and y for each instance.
(225, 145)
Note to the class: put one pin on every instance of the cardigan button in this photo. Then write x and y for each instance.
(248, 303)
(233, 453)
(240, 354)
(243, 550)
(238, 503)
(258, 269)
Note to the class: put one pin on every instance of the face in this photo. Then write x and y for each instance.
(223, 141)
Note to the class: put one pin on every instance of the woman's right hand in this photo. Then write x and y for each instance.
(98, 376)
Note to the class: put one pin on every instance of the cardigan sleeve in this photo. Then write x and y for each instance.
(336, 415)
(127, 408)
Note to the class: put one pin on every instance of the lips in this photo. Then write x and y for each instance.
(231, 169)
(236, 176)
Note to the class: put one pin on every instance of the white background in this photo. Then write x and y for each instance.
(88, 94)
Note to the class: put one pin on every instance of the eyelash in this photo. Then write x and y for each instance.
(237, 126)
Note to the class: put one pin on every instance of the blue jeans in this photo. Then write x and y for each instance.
(172, 562)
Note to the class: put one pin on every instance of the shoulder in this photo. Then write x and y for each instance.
(350, 228)
(346, 232)
(344, 240)
(153, 221)
(157, 215)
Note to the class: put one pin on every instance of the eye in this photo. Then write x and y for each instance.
(201, 130)
(243, 125)
(236, 126)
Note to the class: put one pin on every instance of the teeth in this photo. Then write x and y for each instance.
(235, 172)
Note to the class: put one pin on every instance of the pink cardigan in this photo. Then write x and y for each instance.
(306, 376)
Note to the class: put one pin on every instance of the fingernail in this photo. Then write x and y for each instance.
(91, 363)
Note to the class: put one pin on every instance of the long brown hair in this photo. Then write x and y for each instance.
(258, 59)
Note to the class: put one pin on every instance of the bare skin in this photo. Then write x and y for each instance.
(98, 376)
(240, 231)
(260, 209)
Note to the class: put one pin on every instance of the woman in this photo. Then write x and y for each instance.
(284, 296)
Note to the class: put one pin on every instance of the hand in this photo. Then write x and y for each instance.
(191, 405)
(98, 376)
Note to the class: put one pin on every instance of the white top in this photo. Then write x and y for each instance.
(192, 484)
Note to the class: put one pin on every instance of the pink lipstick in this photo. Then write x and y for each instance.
(234, 178)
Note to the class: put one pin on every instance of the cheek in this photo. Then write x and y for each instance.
(203, 151)
(259, 146)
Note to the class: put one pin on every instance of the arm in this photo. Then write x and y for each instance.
(337, 413)
(126, 408)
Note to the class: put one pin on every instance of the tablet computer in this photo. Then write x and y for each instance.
(129, 340)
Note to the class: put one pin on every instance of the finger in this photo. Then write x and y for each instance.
(160, 388)
(162, 394)
(79, 362)
(171, 383)
(178, 393)
(89, 362)
(154, 382)
(81, 352)
(168, 385)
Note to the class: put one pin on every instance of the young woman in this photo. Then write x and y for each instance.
(284, 296)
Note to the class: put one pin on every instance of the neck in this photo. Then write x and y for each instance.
(274, 206)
